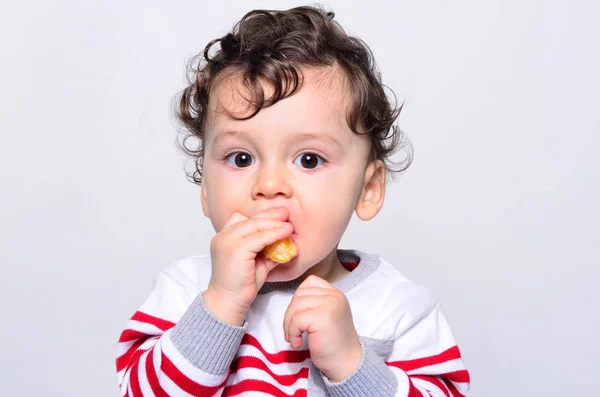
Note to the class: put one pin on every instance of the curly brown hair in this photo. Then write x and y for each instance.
(272, 46)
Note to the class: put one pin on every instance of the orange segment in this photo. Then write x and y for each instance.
(280, 251)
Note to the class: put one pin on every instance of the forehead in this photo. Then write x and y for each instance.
(321, 104)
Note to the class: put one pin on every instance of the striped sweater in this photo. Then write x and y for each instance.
(173, 346)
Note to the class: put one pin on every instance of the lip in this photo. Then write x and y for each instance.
(294, 237)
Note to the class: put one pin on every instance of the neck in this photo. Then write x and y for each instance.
(329, 269)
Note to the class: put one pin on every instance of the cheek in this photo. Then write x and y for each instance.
(328, 210)
(224, 197)
(338, 192)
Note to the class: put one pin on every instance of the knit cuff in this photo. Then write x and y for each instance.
(372, 378)
(205, 341)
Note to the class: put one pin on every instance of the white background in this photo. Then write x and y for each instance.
(498, 215)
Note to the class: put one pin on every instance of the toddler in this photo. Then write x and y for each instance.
(294, 135)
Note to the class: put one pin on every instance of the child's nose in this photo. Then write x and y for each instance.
(271, 182)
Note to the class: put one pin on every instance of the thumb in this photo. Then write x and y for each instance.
(263, 267)
(235, 218)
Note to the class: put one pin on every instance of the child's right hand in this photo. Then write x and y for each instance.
(238, 271)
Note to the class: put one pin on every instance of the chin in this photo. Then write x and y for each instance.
(285, 272)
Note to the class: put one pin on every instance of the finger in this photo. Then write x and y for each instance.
(263, 237)
(273, 213)
(299, 304)
(253, 226)
(312, 291)
(303, 321)
(263, 267)
(315, 281)
(234, 218)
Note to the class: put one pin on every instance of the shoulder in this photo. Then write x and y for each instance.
(385, 283)
(403, 290)
(191, 273)
(389, 299)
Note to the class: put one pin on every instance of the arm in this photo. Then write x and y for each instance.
(193, 357)
(424, 362)
(157, 357)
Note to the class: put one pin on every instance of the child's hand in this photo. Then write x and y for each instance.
(238, 272)
(324, 313)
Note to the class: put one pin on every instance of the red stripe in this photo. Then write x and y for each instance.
(261, 386)
(136, 357)
(184, 382)
(157, 322)
(409, 365)
(153, 378)
(124, 360)
(135, 360)
(453, 390)
(285, 356)
(413, 391)
(461, 376)
(350, 265)
(134, 381)
(255, 362)
(441, 385)
(130, 334)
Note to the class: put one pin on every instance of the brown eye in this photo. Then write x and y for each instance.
(309, 161)
(240, 159)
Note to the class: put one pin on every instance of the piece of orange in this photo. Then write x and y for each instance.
(280, 251)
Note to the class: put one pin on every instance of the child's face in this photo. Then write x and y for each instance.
(299, 154)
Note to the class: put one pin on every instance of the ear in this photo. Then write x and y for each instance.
(370, 199)
(203, 198)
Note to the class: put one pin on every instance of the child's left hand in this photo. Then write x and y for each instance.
(324, 313)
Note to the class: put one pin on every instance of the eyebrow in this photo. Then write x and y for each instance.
(224, 134)
(297, 136)
(320, 137)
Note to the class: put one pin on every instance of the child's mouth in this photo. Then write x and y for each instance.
(294, 237)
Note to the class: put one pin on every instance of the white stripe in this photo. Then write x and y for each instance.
(120, 376)
(140, 348)
(187, 368)
(146, 328)
(424, 392)
(279, 369)
(462, 387)
(147, 344)
(123, 347)
(255, 394)
(424, 385)
(125, 383)
(165, 382)
(437, 369)
(171, 387)
(403, 382)
(257, 374)
(143, 377)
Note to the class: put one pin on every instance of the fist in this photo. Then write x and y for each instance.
(238, 270)
(323, 311)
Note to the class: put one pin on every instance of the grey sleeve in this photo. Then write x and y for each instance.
(371, 378)
(204, 340)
